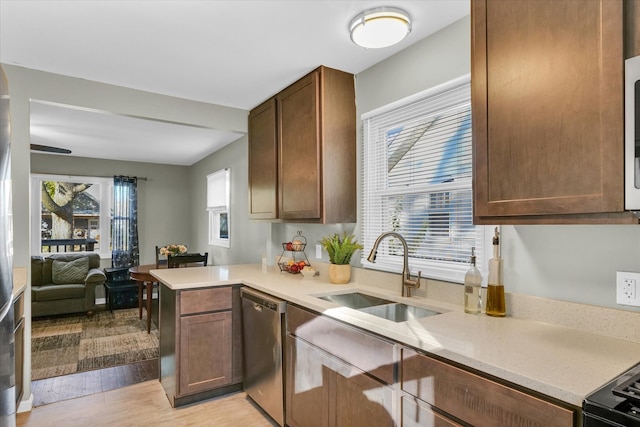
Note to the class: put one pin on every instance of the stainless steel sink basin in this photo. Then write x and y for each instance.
(355, 300)
(394, 311)
(399, 312)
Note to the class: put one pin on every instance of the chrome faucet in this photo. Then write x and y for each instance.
(407, 282)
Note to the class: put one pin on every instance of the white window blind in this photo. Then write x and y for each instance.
(218, 189)
(218, 207)
(417, 181)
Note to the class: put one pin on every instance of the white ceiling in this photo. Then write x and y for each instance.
(233, 53)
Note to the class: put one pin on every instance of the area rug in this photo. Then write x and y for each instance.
(70, 344)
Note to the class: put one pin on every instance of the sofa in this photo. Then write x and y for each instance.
(65, 283)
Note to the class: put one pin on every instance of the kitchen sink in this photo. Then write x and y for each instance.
(380, 307)
(398, 312)
(355, 300)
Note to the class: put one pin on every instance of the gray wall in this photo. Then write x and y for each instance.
(571, 263)
(429, 62)
(27, 84)
(163, 199)
(248, 239)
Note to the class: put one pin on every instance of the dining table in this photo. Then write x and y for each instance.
(142, 275)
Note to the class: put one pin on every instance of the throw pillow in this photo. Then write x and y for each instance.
(69, 272)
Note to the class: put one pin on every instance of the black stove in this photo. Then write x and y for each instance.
(615, 404)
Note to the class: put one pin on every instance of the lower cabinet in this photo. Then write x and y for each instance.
(340, 375)
(471, 398)
(200, 343)
(337, 375)
(416, 413)
(324, 391)
(205, 352)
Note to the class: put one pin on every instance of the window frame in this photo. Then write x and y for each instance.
(435, 269)
(106, 201)
(219, 208)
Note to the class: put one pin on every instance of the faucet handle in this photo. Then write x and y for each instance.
(417, 281)
(413, 283)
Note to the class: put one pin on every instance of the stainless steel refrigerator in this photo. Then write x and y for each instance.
(7, 339)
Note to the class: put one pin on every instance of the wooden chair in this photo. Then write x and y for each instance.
(185, 260)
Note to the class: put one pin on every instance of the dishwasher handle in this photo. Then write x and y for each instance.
(261, 300)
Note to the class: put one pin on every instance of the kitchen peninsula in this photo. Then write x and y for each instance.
(554, 363)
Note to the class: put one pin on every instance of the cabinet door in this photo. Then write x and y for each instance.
(205, 352)
(263, 161)
(299, 154)
(307, 389)
(359, 400)
(324, 391)
(547, 98)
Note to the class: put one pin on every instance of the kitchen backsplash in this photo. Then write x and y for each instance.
(587, 318)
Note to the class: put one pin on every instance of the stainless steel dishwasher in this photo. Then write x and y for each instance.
(263, 329)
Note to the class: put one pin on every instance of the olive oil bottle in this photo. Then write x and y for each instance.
(472, 287)
(496, 305)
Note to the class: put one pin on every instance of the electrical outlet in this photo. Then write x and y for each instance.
(626, 288)
(318, 251)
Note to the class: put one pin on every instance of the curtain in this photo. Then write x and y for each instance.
(124, 225)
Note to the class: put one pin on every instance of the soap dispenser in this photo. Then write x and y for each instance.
(472, 287)
(495, 289)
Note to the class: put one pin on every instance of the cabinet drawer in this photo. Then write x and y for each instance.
(474, 399)
(203, 300)
(416, 413)
(358, 348)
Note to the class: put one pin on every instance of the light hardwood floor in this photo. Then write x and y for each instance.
(51, 390)
(144, 404)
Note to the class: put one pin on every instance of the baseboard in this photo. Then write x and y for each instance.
(26, 405)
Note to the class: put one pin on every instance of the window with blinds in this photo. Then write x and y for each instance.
(417, 182)
(218, 207)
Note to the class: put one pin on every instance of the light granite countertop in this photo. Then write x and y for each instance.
(558, 361)
(19, 280)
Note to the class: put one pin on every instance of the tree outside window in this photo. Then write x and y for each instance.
(71, 215)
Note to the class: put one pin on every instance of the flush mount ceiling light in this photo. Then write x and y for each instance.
(380, 27)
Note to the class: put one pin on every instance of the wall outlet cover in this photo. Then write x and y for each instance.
(627, 283)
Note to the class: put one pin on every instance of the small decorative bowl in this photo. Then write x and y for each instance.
(308, 272)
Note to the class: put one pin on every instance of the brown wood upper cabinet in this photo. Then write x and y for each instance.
(302, 151)
(263, 158)
(547, 100)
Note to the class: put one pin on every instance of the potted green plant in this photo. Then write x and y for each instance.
(340, 249)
